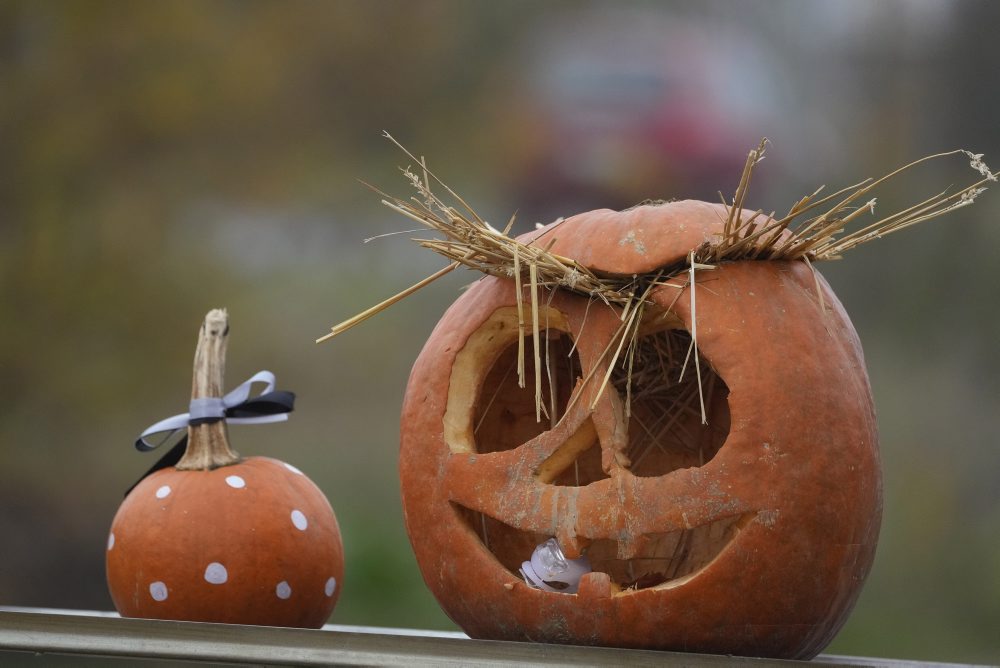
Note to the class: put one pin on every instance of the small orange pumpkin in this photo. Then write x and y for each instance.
(217, 538)
(751, 534)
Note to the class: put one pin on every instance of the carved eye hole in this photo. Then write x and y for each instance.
(487, 411)
(505, 411)
(665, 427)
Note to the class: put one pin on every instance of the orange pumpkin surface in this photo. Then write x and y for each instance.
(250, 543)
(751, 534)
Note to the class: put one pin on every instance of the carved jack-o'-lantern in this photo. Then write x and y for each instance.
(696, 467)
(750, 534)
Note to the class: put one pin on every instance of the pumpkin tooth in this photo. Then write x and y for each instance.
(572, 546)
(596, 585)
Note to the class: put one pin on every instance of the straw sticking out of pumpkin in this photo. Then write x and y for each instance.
(536, 343)
(467, 239)
(694, 333)
(823, 237)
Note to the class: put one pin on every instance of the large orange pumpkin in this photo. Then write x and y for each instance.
(218, 538)
(751, 534)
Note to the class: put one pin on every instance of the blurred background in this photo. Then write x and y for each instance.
(161, 159)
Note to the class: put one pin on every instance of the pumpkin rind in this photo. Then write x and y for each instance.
(798, 475)
(637, 240)
(268, 527)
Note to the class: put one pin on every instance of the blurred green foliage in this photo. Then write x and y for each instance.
(161, 159)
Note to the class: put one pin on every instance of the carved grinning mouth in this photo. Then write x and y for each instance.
(665, 433)
(664, 560)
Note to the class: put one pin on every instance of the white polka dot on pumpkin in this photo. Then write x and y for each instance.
(163, 492)
(216, 573)
(236, 482)
(299, 520)
(293, 469)
(111, 540)
(331, 586)
(283, 590)
(158, 590)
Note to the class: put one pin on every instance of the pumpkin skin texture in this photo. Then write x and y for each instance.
(250, 543)
(760, 537)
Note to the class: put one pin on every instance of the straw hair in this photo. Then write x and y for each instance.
(467, 239)
(814, 229)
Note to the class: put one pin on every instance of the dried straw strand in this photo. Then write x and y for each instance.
(536, 341)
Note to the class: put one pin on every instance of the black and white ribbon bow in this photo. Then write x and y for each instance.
(237, 407)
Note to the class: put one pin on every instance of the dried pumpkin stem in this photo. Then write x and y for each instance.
(208, 443)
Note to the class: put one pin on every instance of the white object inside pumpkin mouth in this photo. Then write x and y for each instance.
(665, 433)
